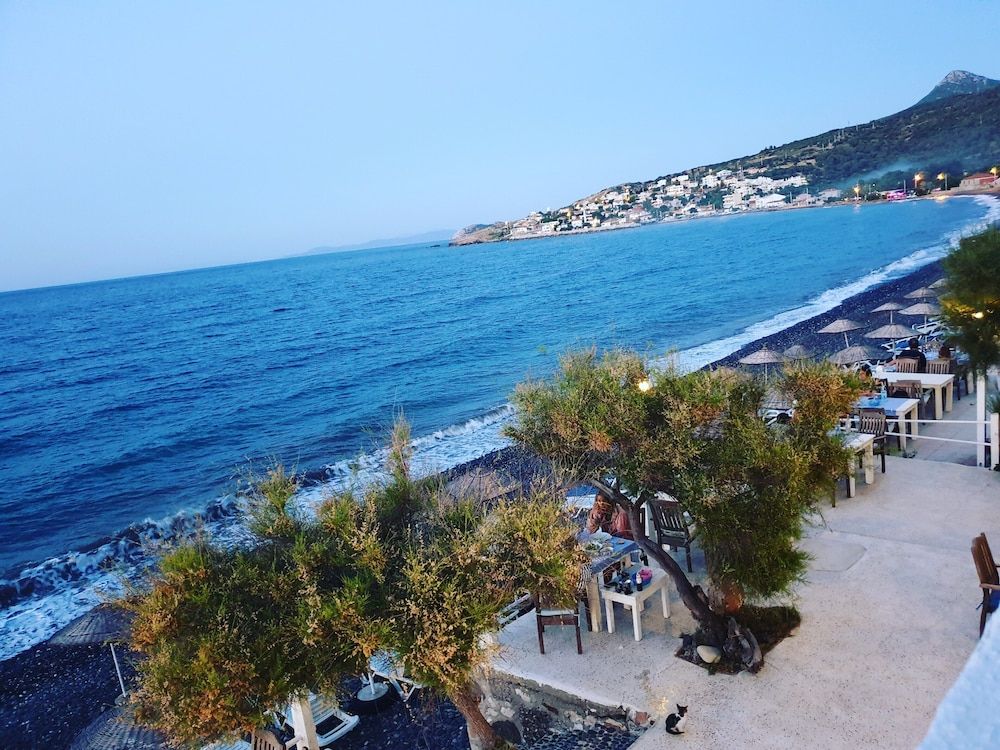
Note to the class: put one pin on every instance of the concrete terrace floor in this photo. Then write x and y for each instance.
(958, 453)
(888, 621)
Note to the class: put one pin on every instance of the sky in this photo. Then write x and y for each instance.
(143, 137)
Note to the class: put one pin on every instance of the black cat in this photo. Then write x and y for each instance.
(675, 723)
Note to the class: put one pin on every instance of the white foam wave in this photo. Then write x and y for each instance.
(701, 355)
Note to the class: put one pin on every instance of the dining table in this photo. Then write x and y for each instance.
(862, 444)
(611, 551)
(941, 385)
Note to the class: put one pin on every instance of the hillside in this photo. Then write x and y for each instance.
(949, 131)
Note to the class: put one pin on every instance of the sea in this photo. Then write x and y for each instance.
(129, 409)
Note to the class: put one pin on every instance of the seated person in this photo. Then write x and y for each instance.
(913, 352)
(867, 381)
(599, 518)
(944, 352)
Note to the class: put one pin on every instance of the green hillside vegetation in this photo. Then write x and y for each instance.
(954, 135)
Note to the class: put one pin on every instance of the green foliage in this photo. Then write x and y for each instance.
(699, 437)
(971, 305)
(219, 650)
(229, 635)
(268, 499)
(958, 133)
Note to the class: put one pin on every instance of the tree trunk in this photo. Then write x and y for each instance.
(481, 734)
(732, 598)
(734, 640)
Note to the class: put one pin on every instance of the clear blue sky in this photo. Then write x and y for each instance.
(140, 137)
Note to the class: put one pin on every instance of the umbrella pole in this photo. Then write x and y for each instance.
(118, 671)
(847, 344)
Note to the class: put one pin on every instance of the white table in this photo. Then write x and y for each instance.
(621, 549)
(863, 445)
(636, 600)
(942, 385)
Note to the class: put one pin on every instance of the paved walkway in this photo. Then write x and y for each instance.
(956, 453)
(888, 621)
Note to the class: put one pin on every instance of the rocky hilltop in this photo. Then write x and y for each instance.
(959, 82)
(950, 132)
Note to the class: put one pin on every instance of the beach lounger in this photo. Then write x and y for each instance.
(387, 666)
(331, 723)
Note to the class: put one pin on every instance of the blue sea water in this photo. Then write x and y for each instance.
(125, 403)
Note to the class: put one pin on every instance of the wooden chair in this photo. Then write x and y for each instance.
(939, 366)
(873, 422)
(905, 364)
(989, 578)
(264, 739)
(545, 615)
(669, 526)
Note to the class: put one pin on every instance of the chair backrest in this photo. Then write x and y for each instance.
(913, 388)
(668, 518)
(264, 739)
(939, 366)
(872, 422)
(906, 364)
(981, 555)
(544, 604)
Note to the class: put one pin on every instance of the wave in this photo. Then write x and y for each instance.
(38, 599)
(703, 354)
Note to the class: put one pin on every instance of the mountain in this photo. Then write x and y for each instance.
(959, 82)
(437, 235)
(953, 130)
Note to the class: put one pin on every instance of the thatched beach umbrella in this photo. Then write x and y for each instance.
(796, 351)
(482, 484)
(889, 307)
(841, 325)
(921, 308)
(764, 357)
(116, 729)
(102, 624)
(921, 293)
(853, 354)
(892, 331)
(939, 284)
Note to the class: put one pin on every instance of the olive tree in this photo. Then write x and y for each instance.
(697, 436)
(229, 634)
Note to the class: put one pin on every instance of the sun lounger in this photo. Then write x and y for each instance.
(331, 723)
(385, 665)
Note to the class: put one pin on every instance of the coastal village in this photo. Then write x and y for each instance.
(700, 193)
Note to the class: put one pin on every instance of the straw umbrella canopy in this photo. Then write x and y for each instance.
(939, 284)
(853, 354)
(921, 308)
(921, 293)
(841, 325)
(102, 624)
(892, 331)
(482, 484)
(763, 356)
(116, 729)
(797, 351)
(889, 307)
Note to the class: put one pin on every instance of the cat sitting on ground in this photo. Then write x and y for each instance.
(676, 722)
